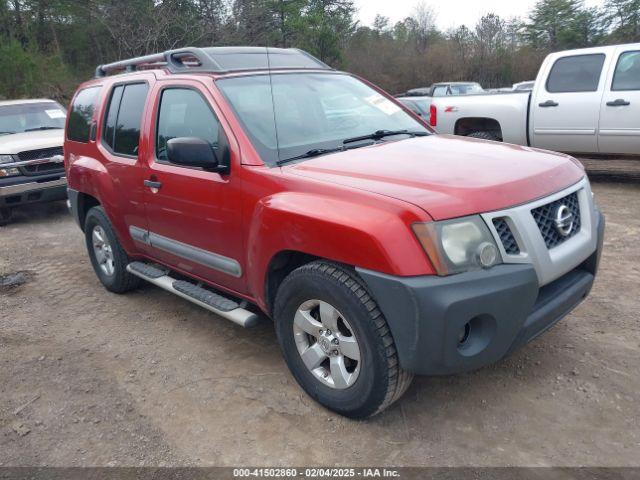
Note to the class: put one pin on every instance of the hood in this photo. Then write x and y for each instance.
(21, 142)
(447, 176)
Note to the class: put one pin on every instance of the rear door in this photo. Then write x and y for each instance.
(566, 107)
(119, 142)
(620, 110)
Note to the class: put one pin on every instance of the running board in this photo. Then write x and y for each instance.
(202, 297)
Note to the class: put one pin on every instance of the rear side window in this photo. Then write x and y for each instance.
(440, 91)
(112, 116)
(184, 113)
(580, 73)
(123, 118)
(627, 75)
(81, 115)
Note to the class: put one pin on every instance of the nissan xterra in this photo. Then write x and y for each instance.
(253, 179)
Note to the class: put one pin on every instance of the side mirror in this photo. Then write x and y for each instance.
(192, 152)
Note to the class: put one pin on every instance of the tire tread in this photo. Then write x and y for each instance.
(398, 380)
(126, 281)
(485, 135)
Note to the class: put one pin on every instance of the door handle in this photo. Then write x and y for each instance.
(152, 184)
(618, 103)
(549, 103)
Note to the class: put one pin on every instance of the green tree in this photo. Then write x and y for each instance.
(562, 24)
(27, 73)
(286, 16)
(624, 16)
(325, 28)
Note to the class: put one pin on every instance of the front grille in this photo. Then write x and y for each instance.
(506, 236)
(38, 154)
(49, 167)
(545, 218)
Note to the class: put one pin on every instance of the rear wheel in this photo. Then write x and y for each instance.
(107, 256)
(486, 136)
(336, 341)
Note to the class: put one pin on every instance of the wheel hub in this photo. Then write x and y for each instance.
(327, 344)
(103, 250)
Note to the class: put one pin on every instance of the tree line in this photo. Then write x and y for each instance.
(48, 46)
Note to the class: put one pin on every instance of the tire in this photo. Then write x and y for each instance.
(379, 381)
(5, 216)
(485, 136)
(114, 277)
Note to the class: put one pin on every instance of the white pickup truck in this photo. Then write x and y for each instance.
(583, 101)
(31, 157)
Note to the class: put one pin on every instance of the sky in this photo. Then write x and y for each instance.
(450, 13)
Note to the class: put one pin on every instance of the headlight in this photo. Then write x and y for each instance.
(7, 172)
(458, 245)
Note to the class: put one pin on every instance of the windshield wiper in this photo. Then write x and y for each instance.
(315, 152)
(380, 134)
(42, 128)
(7, 133)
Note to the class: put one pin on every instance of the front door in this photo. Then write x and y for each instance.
(194, 216)
(565, 111)
(620, 111)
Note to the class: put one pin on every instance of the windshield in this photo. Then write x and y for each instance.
(310, 111)
(30, 117)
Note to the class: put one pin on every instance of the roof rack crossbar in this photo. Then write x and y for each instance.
(206, 60)
(173, 59)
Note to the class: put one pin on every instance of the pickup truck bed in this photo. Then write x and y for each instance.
(584, 101)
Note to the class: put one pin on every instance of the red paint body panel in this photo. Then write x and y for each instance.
(447, 176)
(354, 207)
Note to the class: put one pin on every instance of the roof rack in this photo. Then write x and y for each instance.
(217, 60)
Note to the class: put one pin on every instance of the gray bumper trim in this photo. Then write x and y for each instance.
(31, 186)
(73, 200)
(504, 307)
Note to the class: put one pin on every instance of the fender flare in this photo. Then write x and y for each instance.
(90, 177)
(357, 234)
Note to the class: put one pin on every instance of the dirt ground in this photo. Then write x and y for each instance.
(92, 378)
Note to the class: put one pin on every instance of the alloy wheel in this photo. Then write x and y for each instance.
(103, 250)
(327, 344)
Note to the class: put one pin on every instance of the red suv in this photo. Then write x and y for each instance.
(253, 179)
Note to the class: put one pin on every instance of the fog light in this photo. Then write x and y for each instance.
(463, 336)
(487, 254)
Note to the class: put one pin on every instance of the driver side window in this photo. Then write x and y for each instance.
(184, 113)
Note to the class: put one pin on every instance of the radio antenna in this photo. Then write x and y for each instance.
(273, 103)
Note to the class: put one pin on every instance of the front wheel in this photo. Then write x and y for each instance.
(336, 341)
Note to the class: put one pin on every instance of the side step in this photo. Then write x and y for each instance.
(212, 301)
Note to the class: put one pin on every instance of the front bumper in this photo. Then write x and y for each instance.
(504, 308)
(32, 190)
